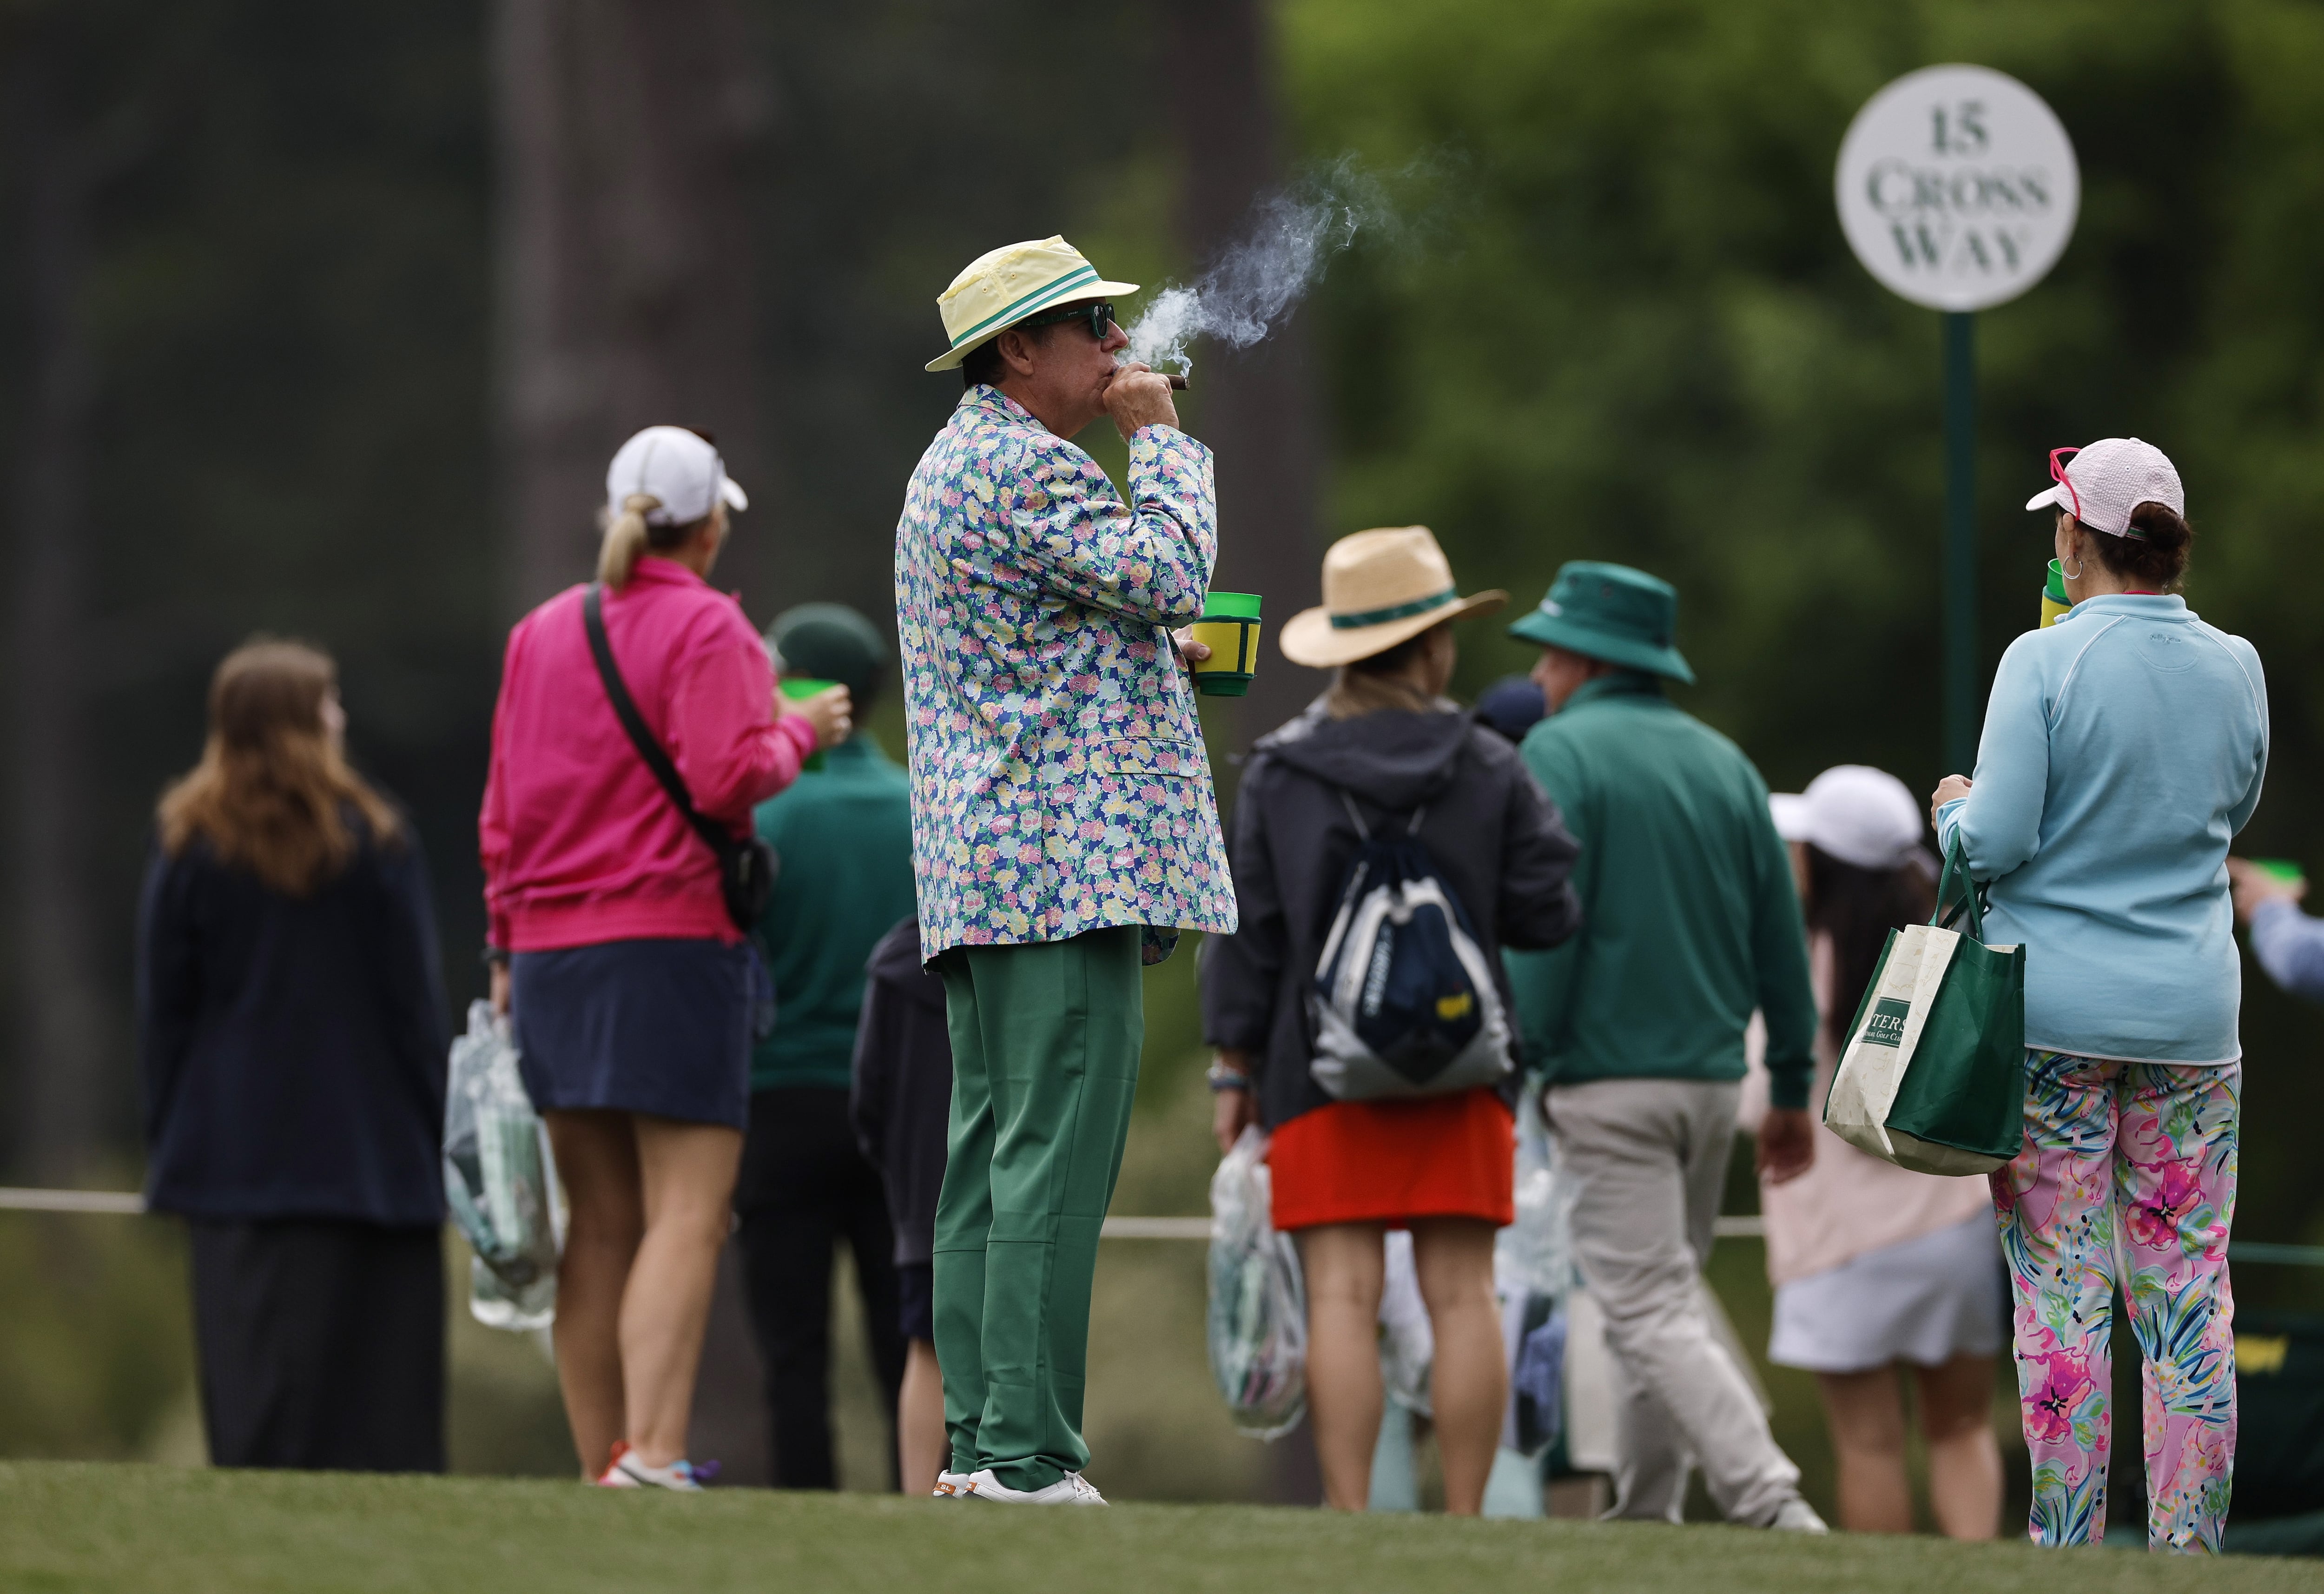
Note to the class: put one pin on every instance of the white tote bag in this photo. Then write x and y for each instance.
(1933, 1075)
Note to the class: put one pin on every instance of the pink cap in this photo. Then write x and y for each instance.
(2102, 483)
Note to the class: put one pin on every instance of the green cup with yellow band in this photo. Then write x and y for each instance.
(1229, 628)
(2054, 601)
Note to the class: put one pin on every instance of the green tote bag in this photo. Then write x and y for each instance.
(1932, 1076)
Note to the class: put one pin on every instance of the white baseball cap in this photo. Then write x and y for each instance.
(680, 467)
(2102, 483)
(1857, 814)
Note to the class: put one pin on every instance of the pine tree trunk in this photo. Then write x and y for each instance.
(1256, 407)
(1256, 410)
(61, 1083)
(627, 133)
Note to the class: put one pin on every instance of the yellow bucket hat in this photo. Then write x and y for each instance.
(1002, 289)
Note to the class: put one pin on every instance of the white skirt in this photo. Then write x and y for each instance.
(1925, 1301)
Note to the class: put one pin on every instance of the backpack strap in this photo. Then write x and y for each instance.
(1363, 830)
(625, 709)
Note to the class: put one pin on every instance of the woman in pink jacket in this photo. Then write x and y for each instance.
(631, 988)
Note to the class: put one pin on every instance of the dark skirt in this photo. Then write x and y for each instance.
(661, 1028)
(321, 1344)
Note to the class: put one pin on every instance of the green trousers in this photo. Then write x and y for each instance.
(1045, 1044)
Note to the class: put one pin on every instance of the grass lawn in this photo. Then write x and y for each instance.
(99, 1526)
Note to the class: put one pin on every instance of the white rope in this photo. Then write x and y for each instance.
(1155, 1228)
(125, 1202)
(129, 1203)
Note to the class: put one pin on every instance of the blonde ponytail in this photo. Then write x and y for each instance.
(626, 537)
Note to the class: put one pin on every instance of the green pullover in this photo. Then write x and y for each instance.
(844, 834)
(1689, 920)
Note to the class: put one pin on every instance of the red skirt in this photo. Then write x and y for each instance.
(1389, 1162)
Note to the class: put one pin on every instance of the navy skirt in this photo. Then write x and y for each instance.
(654, 1026)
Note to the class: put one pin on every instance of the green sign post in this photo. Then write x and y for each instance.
(1957, 189)
(1960, 540)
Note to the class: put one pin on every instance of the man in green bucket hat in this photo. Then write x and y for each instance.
(1689, 922)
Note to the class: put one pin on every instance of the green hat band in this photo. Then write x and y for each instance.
(1394, 611)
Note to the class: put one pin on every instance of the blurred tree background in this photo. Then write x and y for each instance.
(321, 320)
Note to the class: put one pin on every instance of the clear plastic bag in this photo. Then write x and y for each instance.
(500, 1179)
(1408, 1342)
(1534, 1254)
(1533, 1273)
(1258, 1318)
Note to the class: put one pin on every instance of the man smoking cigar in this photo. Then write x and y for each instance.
(1064, 828)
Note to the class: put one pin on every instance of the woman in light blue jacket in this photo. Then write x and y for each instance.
(2123, 747)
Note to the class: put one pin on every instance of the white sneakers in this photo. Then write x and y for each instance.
(1797, 1516)
(952, 1486)
(1072, 1490)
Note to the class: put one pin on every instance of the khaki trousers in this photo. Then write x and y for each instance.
(1646, 1160)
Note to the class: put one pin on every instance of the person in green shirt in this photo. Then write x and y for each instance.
(1689, 922)
(843, 833)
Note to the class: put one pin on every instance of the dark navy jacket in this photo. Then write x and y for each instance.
(901, 1103)
(293, 1049)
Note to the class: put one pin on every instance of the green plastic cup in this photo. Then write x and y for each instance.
(1230, 629)
(2054, 601)
(2282, 868)
(797, 688)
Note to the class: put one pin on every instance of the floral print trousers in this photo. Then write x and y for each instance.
(2127, 1180)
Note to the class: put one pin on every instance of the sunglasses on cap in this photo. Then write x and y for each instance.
(1100, 317)
(2059, 459)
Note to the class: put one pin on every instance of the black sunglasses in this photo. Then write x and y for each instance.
(1100, 317)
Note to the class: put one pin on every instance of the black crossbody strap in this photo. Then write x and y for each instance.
(625, 708)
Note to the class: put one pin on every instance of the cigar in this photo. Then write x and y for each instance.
(1177, 383)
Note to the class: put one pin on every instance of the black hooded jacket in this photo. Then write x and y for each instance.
(1499, 844)
(901, 1102)
(293, 1047)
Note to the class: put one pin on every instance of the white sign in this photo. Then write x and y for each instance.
(1957, 188)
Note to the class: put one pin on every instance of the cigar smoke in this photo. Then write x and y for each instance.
(1256, 283)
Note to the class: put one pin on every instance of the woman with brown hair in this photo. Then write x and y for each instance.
(1878, 1271)
(1383, 752)
(290, 1019)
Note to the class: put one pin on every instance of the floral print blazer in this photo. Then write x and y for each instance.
(1059, 782)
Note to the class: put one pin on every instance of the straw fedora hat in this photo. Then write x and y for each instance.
(1000, 289)
(1379, 588)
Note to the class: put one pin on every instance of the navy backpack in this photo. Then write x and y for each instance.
(1404, 1002)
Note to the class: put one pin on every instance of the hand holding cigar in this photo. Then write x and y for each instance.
(1137, 404)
